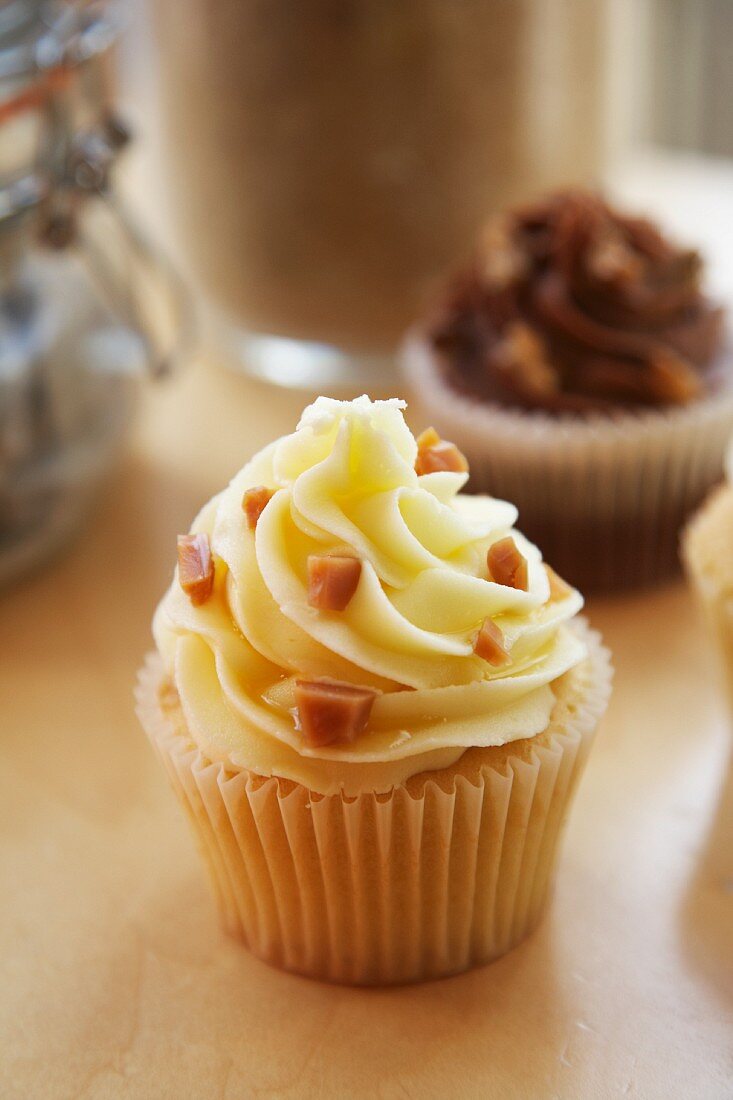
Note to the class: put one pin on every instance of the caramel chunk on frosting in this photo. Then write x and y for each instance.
(435, 454)
(559, 589)
(254, 503)
(195, 567)
(332, 580)
(330, 711)
(490, 645)
(506, 565)
(427, 438)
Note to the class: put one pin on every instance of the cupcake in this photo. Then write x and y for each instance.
(582, 369)
(374, 701)
(707, 550)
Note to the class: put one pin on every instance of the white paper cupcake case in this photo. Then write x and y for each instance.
(422, 882)
(605, 498)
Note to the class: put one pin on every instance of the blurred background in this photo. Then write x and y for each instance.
(281, 188)
(320, 168)
(396, 129)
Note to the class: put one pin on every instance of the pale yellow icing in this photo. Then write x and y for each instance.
(345, 479)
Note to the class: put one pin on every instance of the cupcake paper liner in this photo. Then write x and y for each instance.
(445, 872)
(605, 497)
(707, 551)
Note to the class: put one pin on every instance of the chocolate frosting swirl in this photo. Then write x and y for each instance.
(570, 305)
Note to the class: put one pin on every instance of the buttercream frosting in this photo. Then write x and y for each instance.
(345, 482)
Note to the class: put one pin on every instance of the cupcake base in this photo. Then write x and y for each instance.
(707, 550)
(446, 872)
(604, 496)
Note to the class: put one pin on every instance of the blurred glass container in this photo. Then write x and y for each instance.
(85, 305)
(328, 160)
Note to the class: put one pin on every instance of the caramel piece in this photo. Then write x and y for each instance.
(428, 438)
(671, 379)
(254, 502)
(612, 259)
(329, 710)
(502, 263)
(195, 567)
(489, 644)
(506, 565)
(434, 454)
(559, 589)
(521, 360)
(332, 580)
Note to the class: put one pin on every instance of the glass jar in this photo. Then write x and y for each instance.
(328, 160)
(85, 305)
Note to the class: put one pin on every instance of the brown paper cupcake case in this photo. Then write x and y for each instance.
(604, 497)
(443, 873)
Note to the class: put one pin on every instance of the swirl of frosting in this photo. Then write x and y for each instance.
(573, 306)
(345, 481)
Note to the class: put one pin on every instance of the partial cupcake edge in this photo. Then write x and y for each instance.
(706, 545)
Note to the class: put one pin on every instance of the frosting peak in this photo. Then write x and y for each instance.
(344, 484)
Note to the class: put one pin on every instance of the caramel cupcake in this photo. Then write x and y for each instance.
(582, 369)
(707, 551)
(374, 701)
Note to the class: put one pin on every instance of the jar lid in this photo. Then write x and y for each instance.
(40, 35)
(51, 89)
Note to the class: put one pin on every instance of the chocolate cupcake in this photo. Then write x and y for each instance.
(582, 369)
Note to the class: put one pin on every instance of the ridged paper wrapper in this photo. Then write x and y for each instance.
(707, 550)
(605, 497)
(447, 871)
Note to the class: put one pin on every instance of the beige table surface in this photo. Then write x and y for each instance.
(114, 978)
